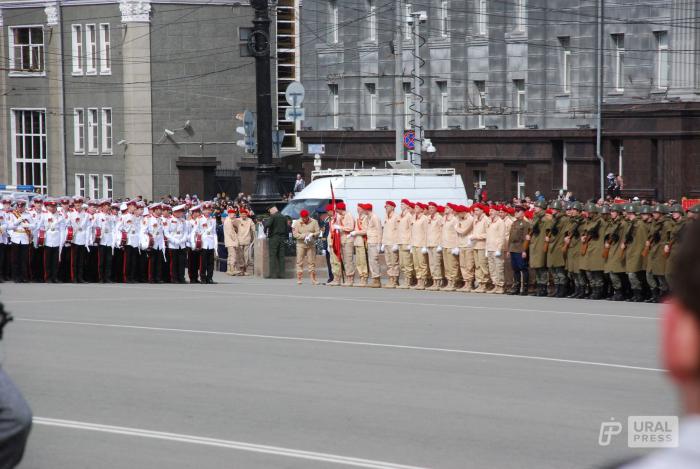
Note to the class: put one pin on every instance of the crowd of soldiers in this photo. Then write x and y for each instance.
(73, 240)
(595, 251)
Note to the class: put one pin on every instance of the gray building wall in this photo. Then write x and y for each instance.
(505, 53)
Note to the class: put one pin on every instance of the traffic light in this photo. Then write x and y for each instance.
(248, 131)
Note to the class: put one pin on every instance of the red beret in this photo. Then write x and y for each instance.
(330, 208)
(440, 209)
(421, 205)
(407, 202)
(389, 202)
(340, 205)
(433, 204)
(549, 211)
(304, 213)
(510, 210)
(452, 206)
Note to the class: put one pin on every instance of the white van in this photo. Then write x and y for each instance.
(376, 186)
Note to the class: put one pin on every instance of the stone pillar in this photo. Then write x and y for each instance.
(5, 170)
(55, 121)
(684, 39)
(137, 121)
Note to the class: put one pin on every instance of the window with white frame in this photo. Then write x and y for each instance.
(480, 87)
(618, 41)
(80, 185)
(26, 46)
(520, 15)
(372, 19)
(28, 131)
(91, 49)
(407, 103)
(334, 21)
(519, 104)
(334, 104)
(77, 59)
(480, 178)
(481, 17)
(107, 131)
(92, 131)
(105, 49)
(444, 26)
(566, 62)
(521, 185)
(94, 180)
(662, 59)
(79, 131)
(371, 89)
(107, 186)
(443, 103)
(407, 28)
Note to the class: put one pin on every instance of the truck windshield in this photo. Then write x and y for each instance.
(295, 206)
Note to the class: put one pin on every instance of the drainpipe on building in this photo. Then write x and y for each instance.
(62, 100)
(398, 80)
(599, 96)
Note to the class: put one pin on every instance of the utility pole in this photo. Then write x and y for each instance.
(266, 189)
(398, 81)
(417, 17)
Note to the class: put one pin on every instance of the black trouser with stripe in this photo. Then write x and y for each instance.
(20, 262)
(50, 262)
(36, 258)
(206, 265)
(193, 258)
(176, 263)
(130, 264)
(78, 254)
(155, 266)
(104, 264)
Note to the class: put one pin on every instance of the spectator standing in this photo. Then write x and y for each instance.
(299, 184)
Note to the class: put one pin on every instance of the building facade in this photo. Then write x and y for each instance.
(123, 98)
(509, 90)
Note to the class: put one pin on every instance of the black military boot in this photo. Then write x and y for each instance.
(515, 290)
(561, 291)
(654, 298)
(542, 290)
(575, 293)
(637, 296)
(596, 293)
(618, 296)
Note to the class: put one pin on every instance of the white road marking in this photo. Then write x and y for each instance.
(346, 342)
(102, 299)
(237, 445)
(237, 293)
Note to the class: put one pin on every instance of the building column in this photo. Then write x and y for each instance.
(55, 120)
(5, 170)
(137, 118)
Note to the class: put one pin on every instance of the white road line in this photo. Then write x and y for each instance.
(237, 293)
(102, 299)
(346, 342)
(237, 445)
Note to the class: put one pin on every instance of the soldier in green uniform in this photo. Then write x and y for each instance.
(592, 241)
(656, 261)
(516, 247)
(612, 252)
(277, 232)
(677, 226)
(572, 249)
(537, 254)
(555, 232)
(633, 238)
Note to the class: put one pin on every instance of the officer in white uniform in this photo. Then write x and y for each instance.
(4, 239)
(205, 229)
(79, 220)
(176, 234)
(103, 238)
(49, 230)
(153, 243)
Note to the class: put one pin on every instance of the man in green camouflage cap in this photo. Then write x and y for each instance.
(555, 232)
(612, 252)
(572, 250)
(633, 238)
(677, 227)
(537, 253)
(592, 251)
(654, 246)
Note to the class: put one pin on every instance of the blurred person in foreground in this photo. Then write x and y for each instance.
(681, 355)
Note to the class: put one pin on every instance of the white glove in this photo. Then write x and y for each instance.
(337, 227)
(352, 233)
(323, 252)
(470, 242)
(395, 248)
(497, 254)
(308, 238)
(455, 251)
(410, 248)
(439, 249)
(381, 248)
(424, 250)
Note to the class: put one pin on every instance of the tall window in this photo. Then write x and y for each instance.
(519, 103)
(618, 41)
(481, 17)
(442, 87)
(91, 52)
(92, 131)
(94, 186)
(79, 130)
(107, 131)
(520, 13)
(107, 186)
(334, 104)
(334, 21)
(480, 178)
(521, 185)
(105, 50)
(566, 63)
(407, 103)
(372, 104)
(444, 7)
(77, 34)
(372, 19)
(407, 33)
(28, 130)
(662, 56)
(481, 101)
(26, 45)
(80, 185)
